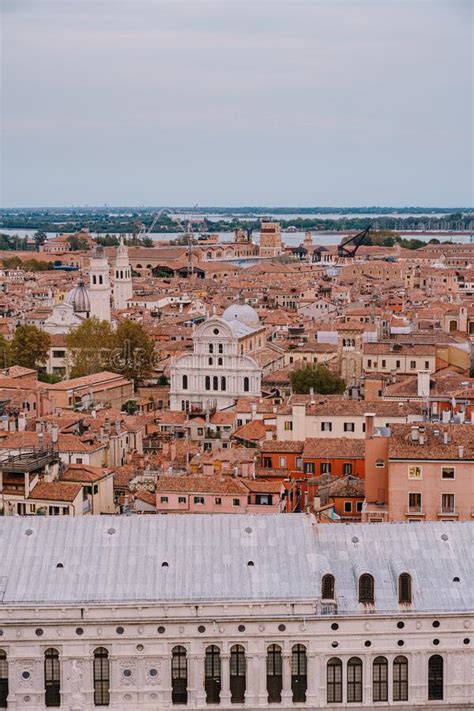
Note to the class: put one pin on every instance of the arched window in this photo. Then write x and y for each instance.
(185, 382)
(400, 679)
(246, 385)
(211, 348)
(212, 674)
(435, 678)
(327, 587)
(94, 279)
(354, 680)
(101, 677)
(299, 673)
(237, 674)
(334, 681)
(380, 679)
(366, 589)
(215, 383)
(219, 361)
(274, 674)
(101, 279)
(207, 382)
(404, 588)
(210, 361)
(3, 679)
(223, 383)
(52, 681)
(221, 348)
(179, 676)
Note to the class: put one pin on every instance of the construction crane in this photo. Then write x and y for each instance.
(188, 230)
(356, 241)
(145, 231)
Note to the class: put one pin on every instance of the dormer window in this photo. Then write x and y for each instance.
(366, 589)
(404, 589)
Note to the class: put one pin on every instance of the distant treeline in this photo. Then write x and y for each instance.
(129, 221)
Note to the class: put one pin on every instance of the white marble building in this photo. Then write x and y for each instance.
(251, 612)
(221, 368)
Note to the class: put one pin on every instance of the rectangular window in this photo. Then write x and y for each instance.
(282, 462)
(288, 425)
(413, 364)
(199, 499)
(267, 462)
(415, 472)
(309, 467)
(200, 431)
(218, 501)
(326, 426)
(325, 467)
(414, 502)
(58, 354)
(235, 502)
(299, 463)
(384, 363)
(164, 500)
(347, 506)
(347, 468)
(427, 364)
(181, 499)
(447, 503)
(349, 427)
(397, 364)
(447, 472)
(369, 363)
(359, 505)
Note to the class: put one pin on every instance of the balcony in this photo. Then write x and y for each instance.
(415, 511)
(28, 461)
(448, 512)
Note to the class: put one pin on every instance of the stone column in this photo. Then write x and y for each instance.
(286, 694)
(260, 661)
(314, 679)
(196, 690)
(225, 679)
(165, 679)
(366, 678)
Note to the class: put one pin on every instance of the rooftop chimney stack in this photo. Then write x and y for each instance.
(369, 424)
(415, 434)
(423, 383)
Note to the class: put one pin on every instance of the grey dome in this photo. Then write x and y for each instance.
(243, 313)
(78, 298)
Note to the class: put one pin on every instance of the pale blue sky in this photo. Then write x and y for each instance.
(258, 102)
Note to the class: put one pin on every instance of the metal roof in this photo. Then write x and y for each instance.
(119, 559)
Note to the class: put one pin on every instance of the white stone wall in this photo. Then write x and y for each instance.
(141, 648)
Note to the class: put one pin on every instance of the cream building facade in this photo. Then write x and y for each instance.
(221, 368)
(196, 611)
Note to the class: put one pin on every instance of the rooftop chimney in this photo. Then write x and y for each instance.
(415, 434)
(461, 452)
(423, 383)
(369, 424)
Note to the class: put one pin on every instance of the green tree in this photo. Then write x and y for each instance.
(134, 351)
(29, 347)
(40, 238)
(90, 346)
(4, 353)
(318, 377)
(78, 244)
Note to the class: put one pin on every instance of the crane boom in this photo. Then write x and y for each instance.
(356, 241)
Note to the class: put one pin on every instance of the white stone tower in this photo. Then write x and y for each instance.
(123, 289)
(99, 288)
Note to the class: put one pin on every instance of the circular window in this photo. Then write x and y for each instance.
(400, 625)
(201, 629)
(436, 642)
(29, 532)
(248, 530)
(120, 630)
(111, 531)
(241, 628)
(161, 629)
(25, 675)
(216, 332)
(400, 642)
(39, 632)
(282, 628)
(140, 647)
(127, 673)
(334, 644)
(367, 643)
(436, 623)
(79, 631)
(153, 672)
(334, 626)
(466, 640)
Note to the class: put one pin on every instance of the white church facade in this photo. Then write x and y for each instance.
(221, 367)
(234, 611)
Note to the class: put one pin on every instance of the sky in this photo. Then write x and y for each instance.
(237, 102)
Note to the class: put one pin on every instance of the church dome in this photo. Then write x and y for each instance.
(78, 298)
(243, 313)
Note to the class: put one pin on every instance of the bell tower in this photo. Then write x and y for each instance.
(123, 289)
(99, 285)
